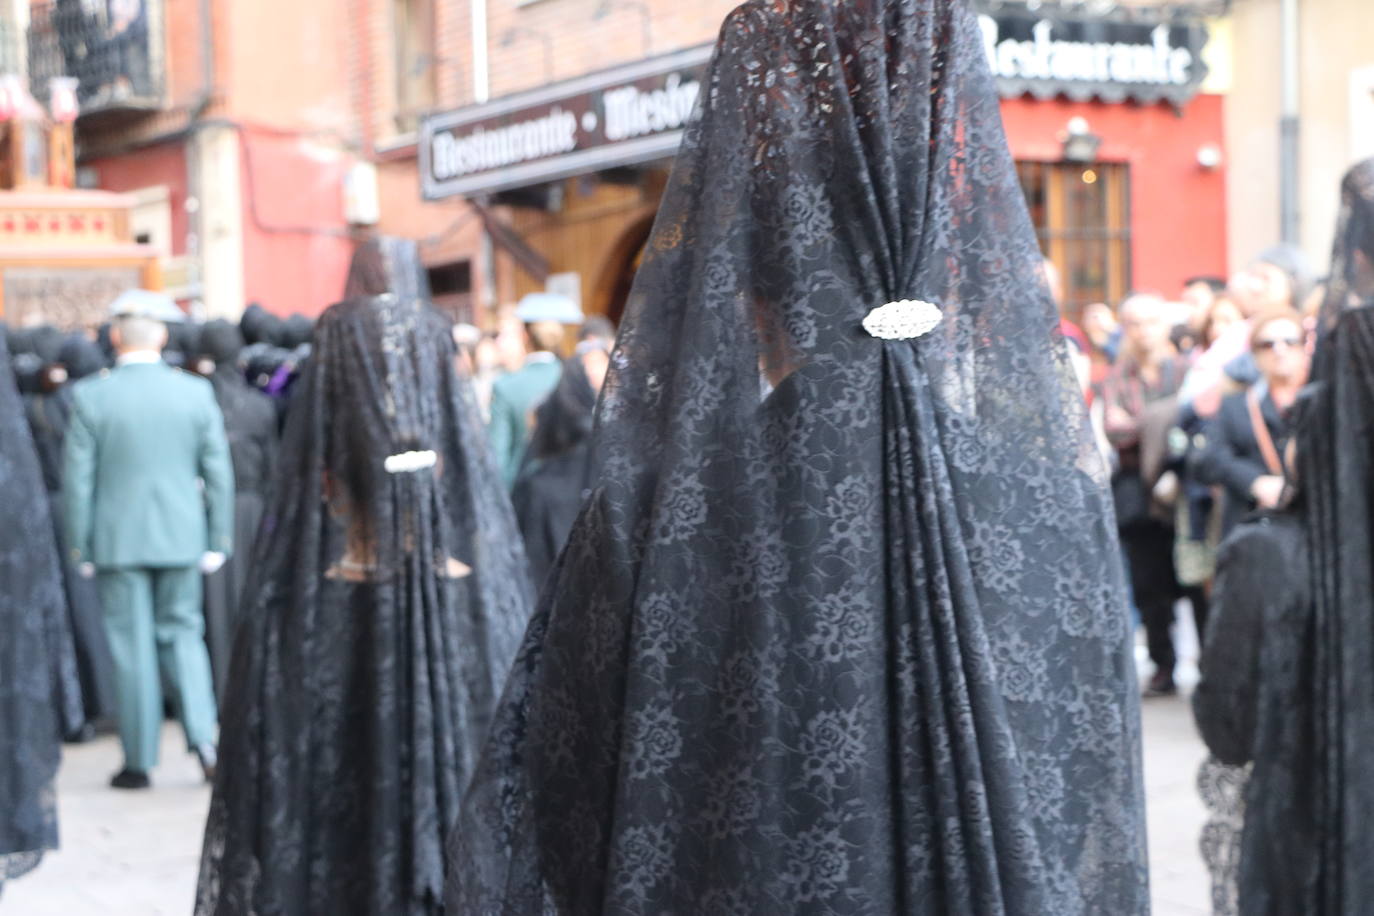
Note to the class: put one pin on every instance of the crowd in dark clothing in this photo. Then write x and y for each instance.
(250, 424)
(47, 362)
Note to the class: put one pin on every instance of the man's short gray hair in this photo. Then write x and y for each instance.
(138, 333)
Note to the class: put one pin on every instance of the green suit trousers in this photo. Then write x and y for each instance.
(154, 621)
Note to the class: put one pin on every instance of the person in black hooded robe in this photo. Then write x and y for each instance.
(40, 374)
(183, 343)
(260, 326)
(250, 423)
(296, 331)
(31, 610)
(548, 493)
(841, 627)
(46, 342)
(48, 410)
(386, 599)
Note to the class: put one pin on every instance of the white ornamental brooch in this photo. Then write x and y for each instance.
(410, 462)
(906, 319)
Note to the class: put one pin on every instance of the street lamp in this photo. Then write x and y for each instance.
(1080, 143)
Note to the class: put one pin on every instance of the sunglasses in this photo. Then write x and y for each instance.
(1291, 343)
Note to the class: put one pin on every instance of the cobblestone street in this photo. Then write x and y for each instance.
(135, 854)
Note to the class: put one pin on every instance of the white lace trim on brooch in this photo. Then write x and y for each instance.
(906, 319)
(408, 462)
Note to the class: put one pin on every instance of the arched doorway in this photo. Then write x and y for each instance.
(612, 288)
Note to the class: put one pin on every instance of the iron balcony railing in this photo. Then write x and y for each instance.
(112, 47)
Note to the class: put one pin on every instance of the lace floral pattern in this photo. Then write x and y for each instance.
(898, 632)
(382, 615)
(32, 613)
(1222, 789)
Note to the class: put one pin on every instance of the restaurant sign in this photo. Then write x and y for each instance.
(1138, 55)
(624, 116)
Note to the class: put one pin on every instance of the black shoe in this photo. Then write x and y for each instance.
(130, 779)
(1161, 685)
(208, 761)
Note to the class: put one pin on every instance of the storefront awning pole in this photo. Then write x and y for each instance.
(481, 70)
(1289, 123)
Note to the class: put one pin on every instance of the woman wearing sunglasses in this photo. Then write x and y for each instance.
(1245, 440)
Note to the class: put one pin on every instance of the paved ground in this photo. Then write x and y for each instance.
(123, 853)
(136, 854)
(1178, 880)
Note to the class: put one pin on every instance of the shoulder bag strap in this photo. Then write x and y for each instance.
(1262, 437)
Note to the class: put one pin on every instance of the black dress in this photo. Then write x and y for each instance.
(250, 423)
(1307, 843)
(1341, 539)
(1256, 690)
(841, 627)
(32, 615)
(385, 601)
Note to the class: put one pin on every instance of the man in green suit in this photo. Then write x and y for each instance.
(515, 396)
(149, 493)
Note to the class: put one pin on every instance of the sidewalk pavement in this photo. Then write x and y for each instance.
(136, 853)
(123, 853)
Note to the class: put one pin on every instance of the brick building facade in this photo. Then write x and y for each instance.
(273, 135)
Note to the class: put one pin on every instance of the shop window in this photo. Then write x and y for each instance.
(450, 286)
(413, 47)
(1082, 219)
(150, 222)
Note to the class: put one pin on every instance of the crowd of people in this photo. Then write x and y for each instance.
(1191, 399)
(807, 591)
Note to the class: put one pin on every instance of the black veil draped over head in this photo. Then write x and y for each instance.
(1351, 283)
(32, 607)
(1331, 764)
(386, 601)
(841, 628)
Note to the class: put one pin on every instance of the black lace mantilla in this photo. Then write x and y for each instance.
(841, 628)
(386, 600)
(32, 614)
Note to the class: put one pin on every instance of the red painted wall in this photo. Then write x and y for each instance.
(1178, 208)
(156, 165)
(296, 246)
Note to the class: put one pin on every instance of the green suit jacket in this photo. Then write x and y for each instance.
(513, 396)
(148, 480)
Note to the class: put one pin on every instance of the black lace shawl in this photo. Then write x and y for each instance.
(841, 627)
(32, 608)
(1351, 282)
(386, 600)
(80, 651)
(1338, 480)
